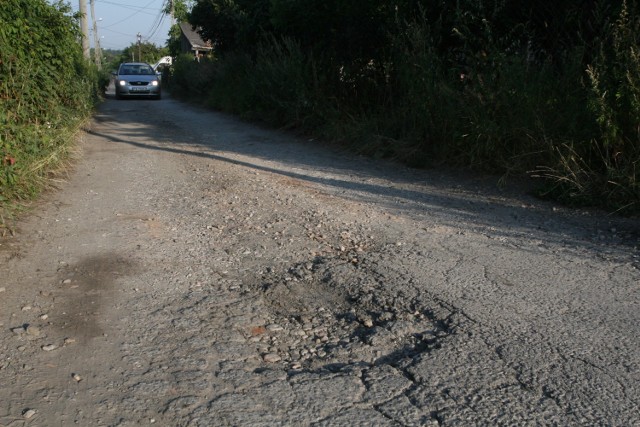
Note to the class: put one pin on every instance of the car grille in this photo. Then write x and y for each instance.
(138, 83)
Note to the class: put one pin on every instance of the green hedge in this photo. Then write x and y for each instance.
(46, 89)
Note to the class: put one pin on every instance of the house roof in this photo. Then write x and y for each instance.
(194, 38)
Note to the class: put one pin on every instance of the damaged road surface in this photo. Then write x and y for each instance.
(195, 270)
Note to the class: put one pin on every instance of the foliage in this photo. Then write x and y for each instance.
(111, 59)
(607, 167)
(279, 84)
(179, 9)
(174, 46)
(190, 76)
(144, 52)
(233, 25)
(46, 90)
(548, 90)
(345, 31)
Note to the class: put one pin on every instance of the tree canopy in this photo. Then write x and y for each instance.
(363, 29)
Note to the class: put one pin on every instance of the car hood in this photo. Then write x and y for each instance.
(137, 77)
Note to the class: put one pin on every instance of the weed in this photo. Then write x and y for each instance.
(46, 91)
(461, 88)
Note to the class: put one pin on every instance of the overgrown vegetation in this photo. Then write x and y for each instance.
(47, 90)
(145, 52)
(550, 90)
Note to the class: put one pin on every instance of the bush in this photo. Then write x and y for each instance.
(602, 168)
(190, 77)
(280, 84)
(275, 87)
(482, 85)
(46, 90)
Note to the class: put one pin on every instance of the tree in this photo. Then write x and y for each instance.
(179, 9)
(146, 52)
(112, 58)
(231, 25)
(347, 31)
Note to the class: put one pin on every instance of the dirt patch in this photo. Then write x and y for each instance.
(87, 290)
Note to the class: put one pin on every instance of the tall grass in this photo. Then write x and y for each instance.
(491, 104)
(277, 86)
(46, 91)
(501, 113)
(603, 167)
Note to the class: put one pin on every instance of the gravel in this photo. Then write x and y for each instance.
(196, 270)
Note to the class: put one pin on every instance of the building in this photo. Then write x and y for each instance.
(191, 42)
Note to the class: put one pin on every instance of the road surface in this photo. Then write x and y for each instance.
(195, 270)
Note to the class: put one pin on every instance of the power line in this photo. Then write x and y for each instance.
(157, 22)
(129, 19)
(137, 9)
(140, 10)
(118, 32)
(155, 30)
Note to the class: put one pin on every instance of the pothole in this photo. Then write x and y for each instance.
(329, 313)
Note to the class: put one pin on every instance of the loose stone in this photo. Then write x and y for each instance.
(271, 358)
(49, 347)
(33, 330)
(28, 413)
(274, 328)
(320, 332)
(386, 316)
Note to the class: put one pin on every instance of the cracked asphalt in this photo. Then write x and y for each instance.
(195, 270)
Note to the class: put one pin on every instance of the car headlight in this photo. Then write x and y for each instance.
(122, 82)
(154, 83)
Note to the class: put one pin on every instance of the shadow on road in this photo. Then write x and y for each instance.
(447, 198)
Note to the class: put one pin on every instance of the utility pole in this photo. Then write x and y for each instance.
(139, 47)
(84, 28)
(97, 52)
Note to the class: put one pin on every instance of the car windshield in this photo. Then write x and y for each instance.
(130, 70)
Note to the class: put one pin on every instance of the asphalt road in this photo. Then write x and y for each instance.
(195, 270)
